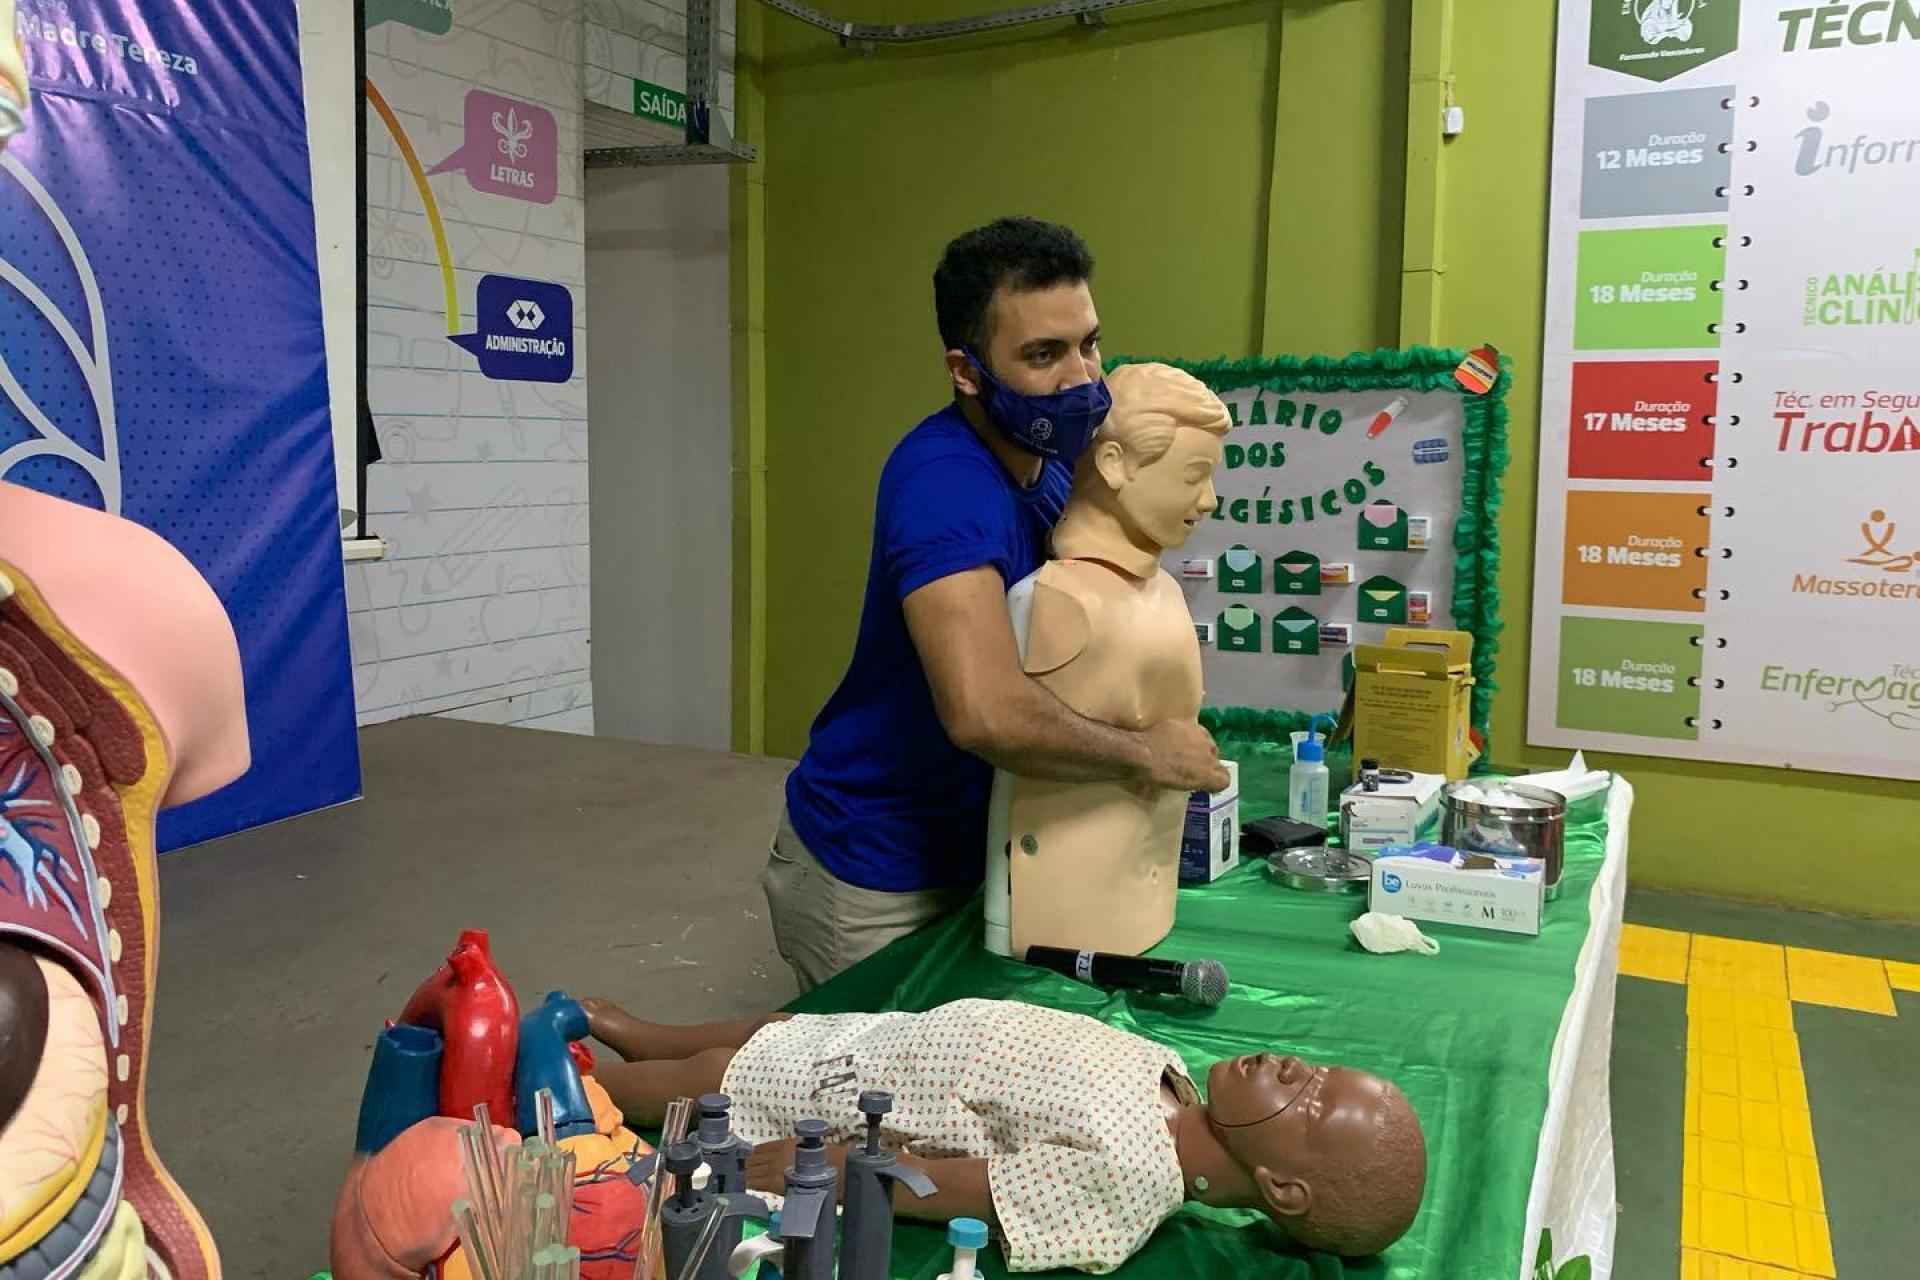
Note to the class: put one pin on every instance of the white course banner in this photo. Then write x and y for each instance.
(1728, 561)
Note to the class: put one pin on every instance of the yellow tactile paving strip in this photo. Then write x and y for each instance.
(1843, 982)
(1904, 977)
(1660, 954)
(1753, 1208)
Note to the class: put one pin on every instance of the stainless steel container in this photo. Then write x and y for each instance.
(1535, 828)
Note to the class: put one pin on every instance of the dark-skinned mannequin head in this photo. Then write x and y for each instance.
(1334, 1156)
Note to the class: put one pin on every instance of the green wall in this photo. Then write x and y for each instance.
(1241, 171)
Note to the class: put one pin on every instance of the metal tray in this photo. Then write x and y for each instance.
(1318, 869)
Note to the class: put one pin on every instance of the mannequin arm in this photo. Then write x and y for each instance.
(992, 708)
(964, 1189)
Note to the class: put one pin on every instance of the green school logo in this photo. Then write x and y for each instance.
(435, 17)
(1660, 39)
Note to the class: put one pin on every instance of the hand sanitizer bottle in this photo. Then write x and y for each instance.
(1307, 782)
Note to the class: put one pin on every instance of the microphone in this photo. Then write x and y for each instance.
(1203, 982)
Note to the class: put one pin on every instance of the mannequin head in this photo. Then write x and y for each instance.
(1150, 470)
(1334, 1156)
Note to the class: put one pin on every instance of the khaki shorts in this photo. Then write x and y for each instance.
(823, 925)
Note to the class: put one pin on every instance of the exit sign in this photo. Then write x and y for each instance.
(660, 104)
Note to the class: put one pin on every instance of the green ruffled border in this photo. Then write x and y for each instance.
(1476, 541)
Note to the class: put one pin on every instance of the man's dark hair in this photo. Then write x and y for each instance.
(1020, 253)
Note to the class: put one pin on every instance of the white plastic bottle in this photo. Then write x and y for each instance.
(967, 1236)
(1307, 783)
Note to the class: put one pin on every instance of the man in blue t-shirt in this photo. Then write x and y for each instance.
(886, 814)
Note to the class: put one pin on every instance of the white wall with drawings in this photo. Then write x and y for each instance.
(481, 608)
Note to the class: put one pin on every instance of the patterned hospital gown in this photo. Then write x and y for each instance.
(1066, 1111)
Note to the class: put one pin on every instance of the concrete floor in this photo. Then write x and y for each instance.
(600, 867)
(617, 869)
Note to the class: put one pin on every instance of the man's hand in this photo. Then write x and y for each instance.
(1181, 756)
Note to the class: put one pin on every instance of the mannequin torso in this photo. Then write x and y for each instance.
(1104, 860)
(1095, 865)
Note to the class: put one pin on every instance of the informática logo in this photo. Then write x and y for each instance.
(1817, 153)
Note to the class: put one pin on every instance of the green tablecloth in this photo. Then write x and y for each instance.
(1467, 1034)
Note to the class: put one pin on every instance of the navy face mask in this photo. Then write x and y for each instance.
(1060, 425)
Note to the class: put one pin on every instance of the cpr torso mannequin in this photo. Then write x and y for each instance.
(1095, 866)
(123, 695)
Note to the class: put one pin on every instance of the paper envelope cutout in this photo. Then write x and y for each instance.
(1296, 631)
(1238, 630)
(1381, 599)
(1383, 527)
(1297, 574)
(1240, 570)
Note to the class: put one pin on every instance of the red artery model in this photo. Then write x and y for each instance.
(470, 1004)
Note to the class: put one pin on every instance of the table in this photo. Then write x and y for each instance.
(1501, 1042)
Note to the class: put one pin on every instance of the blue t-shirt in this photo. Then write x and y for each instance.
(882, 797)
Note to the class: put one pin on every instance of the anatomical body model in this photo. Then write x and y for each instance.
(120, 694)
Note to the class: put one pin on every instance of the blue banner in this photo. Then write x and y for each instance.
(161, 352)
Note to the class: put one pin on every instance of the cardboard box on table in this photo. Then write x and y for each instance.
(1412, 701)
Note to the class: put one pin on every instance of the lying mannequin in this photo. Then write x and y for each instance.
(1074, 1138)
(1096, 865)
(120, 694)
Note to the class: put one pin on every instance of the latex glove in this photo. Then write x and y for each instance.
(1382, 934)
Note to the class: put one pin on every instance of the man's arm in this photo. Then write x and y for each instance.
(992, 708)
